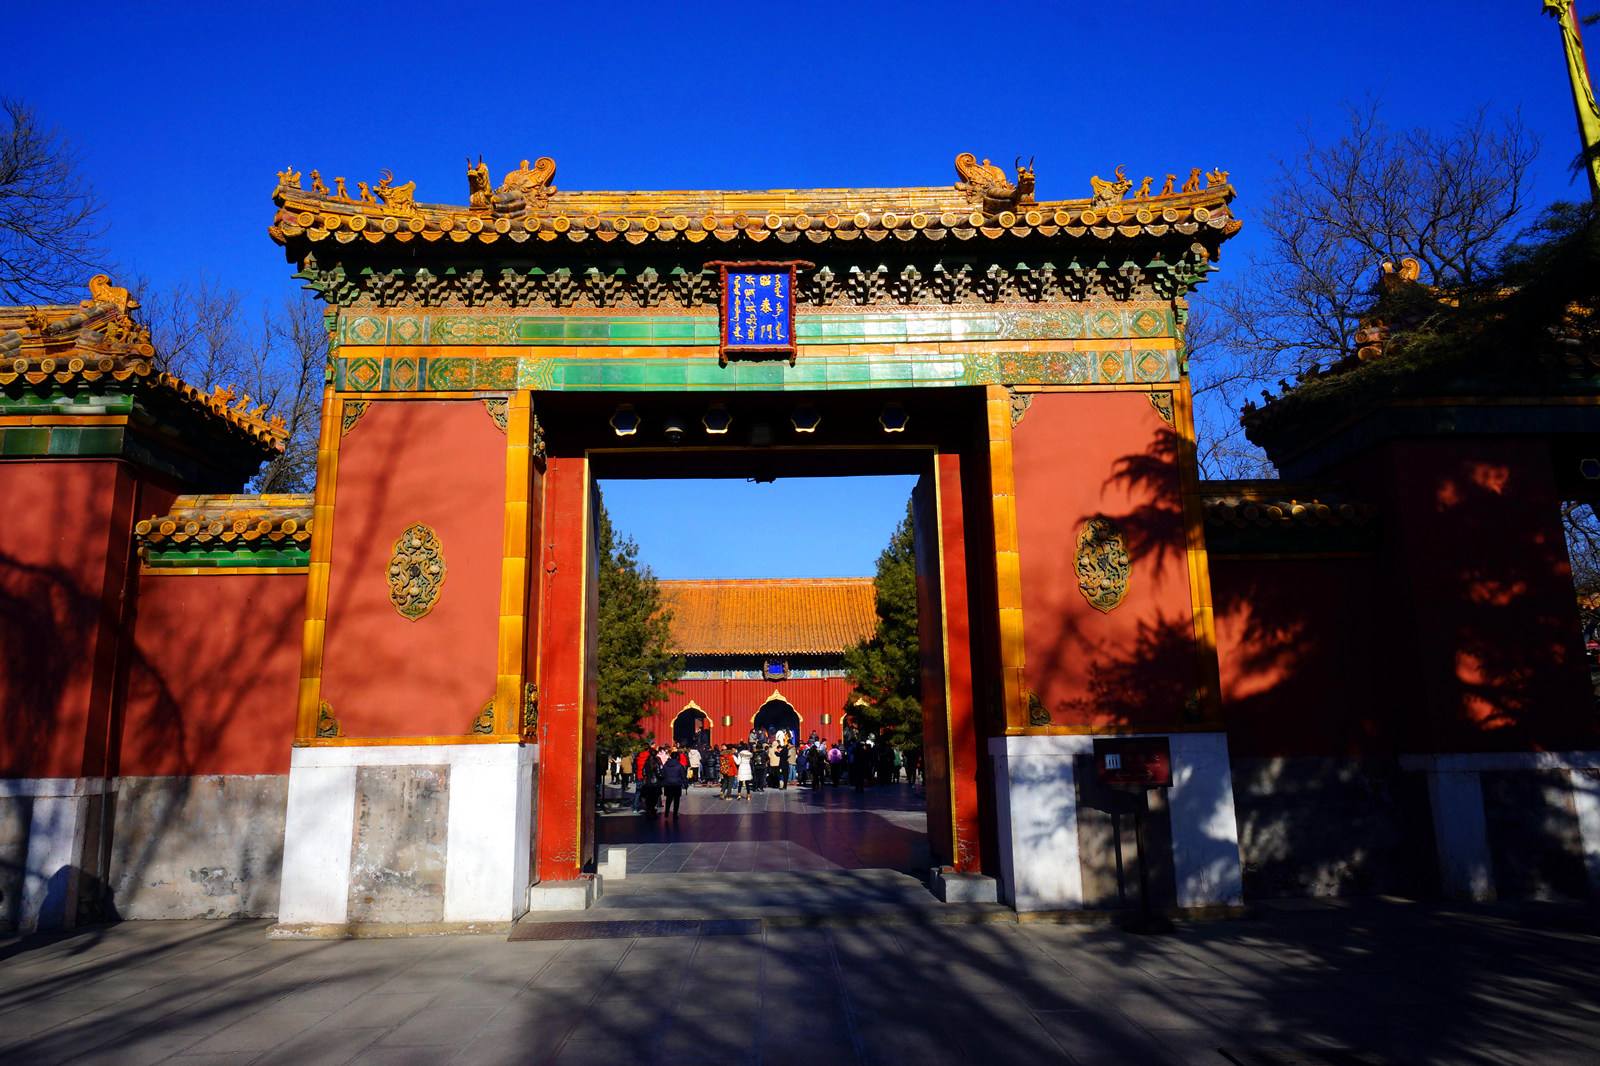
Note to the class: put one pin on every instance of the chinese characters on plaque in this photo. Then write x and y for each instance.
(757, 310)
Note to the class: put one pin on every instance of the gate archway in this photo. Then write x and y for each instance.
(687, 723)
(775, 714)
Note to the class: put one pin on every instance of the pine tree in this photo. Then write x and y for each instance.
(885, 668)
(636, 662)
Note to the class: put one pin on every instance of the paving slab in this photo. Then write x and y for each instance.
(1380, 982)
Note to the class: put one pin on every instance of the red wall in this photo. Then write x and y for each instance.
(64, 554)
(1108, 453)
(213, 678)
(1474, 600)
(1299, 656)
(741, 698)
(442, 463)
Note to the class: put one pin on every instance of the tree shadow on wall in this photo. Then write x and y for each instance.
(160, 710)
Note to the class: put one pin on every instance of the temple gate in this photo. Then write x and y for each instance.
(1023, 358)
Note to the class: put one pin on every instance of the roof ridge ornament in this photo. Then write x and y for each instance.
(1110, 192)
(524, 187)
(987, 184)
(101, 291)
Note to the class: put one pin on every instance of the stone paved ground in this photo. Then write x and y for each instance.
(1392, 982)
(796, 828)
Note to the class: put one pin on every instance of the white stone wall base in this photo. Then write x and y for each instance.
(53, 866)
(1037, 814)
(1460, 826)
(487, 843)
(576, 895)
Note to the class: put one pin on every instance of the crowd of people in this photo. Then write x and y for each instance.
(766, 759)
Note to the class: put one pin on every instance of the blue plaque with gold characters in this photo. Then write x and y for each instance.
(757, 310)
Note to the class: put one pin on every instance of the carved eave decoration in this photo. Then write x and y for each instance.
(934, 278)
(983, 203)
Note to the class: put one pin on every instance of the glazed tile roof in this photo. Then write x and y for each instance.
(1277, 505)
(787, 616)
(985, 201)
(97, 341)
(243, 518)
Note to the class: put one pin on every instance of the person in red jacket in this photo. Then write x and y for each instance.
(644, 756)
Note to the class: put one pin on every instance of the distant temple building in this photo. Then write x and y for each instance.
(762, 654)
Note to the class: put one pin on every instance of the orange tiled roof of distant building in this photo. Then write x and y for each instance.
(771, 616)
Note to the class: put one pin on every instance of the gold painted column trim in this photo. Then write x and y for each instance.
(511, 657)
(319, 569)
(1007, 557)
(1207, 675)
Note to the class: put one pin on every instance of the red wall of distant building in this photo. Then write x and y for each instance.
(740, 698)
(442, 463)
(64, 554)
(214, 674)
(1077, 456)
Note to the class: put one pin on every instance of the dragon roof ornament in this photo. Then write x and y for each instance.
(97, 341)
(985, 201)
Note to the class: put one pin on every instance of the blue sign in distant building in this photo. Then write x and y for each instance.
(758, 310)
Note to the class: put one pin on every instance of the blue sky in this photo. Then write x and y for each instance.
(181, 115)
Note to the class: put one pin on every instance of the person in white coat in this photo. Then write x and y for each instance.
(745, 776)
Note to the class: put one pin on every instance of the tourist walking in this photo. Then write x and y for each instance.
(674, 775)
(694, 764)
(729, 765)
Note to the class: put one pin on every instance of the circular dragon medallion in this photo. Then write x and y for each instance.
(1102, 563)
(416, 571)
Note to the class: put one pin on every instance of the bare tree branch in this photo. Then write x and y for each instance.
(49, 217)
(204, 335)
(1451, 200)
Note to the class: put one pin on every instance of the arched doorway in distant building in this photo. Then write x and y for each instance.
(775, 714)
(689, 721)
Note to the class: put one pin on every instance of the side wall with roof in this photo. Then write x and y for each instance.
(1409, 710)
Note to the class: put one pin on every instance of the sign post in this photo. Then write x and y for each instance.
(1135, 764)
